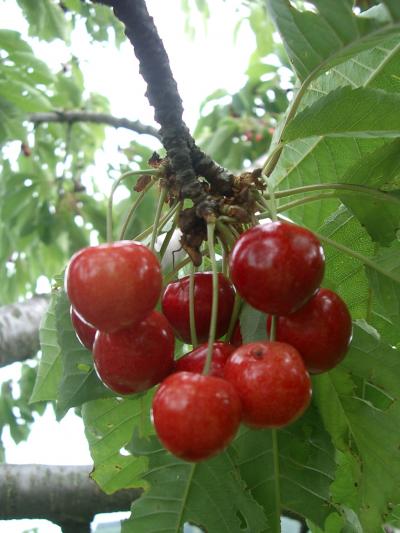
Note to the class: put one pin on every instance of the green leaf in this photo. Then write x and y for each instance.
(252, 324)
(209, 494)
(46, 19)
(11, 127)
(359, 403)
(109, 425)
(358, 112)
(317, 41)
(306, 468)
(50, 367)
(12, 42)
(79, 382)
(379, 214)
(24, 96)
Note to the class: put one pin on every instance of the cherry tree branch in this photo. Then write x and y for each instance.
(19, 329)
(186, 158)
(70, 117)
(64, 495)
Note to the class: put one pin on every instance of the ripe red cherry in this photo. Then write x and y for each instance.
(136, 358)
(175, 305)
(320, 331)
(112, 286)
(272, 382)
(195, 416)
(194, 360)
(85, 332)
(276, 267)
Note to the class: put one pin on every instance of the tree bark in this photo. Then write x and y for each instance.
(70, 117)
(19, 329)
(64, 495)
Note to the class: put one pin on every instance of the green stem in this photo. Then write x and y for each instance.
(278, 505)
(214, 305)
(132, 210)
(301, 201)
(162, 223)
(178, 267)
(272, 331)
(117, 182)
(192, 321)
(168, 236)
(160, 205)
(365, 260)
(225, 232)
(361, 189)
(234, 317)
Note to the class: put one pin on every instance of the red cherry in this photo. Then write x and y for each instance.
(194, 360)
(196, 416)
(276, 267)
(112, 286)
(136, 358)
(85, 332)
(272, 382)
(175, 305)
(320, 331)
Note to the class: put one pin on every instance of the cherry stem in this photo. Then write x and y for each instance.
(178, 267)
(234, 316)
(300, 201)
(160, 205)
(214, 305)
(361, 189)
(169, 234)
(225, 232)
(133, 209)
(272, 331)
(192, 321)
(162, 223)
(116, 183)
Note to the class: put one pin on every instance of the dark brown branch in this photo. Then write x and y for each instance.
(19, 329)
(62, 494)
(71, 117)
(186, 159)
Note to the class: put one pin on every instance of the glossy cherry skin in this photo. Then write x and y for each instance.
(85, 332)
(196, 416)
(276, 267)
(175, 305)
(194, 360)
(320, 330)
(134, 359)
(112, 286)
(272, 382)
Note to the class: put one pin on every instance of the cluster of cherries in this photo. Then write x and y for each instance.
(277, 268)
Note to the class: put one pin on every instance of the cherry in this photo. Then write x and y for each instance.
(135, 358)
(194, 360)
(175, 305)
(276, 267)
(112, 286)
(85, 332)
(195, 416)
(320, 331)
(272, 382)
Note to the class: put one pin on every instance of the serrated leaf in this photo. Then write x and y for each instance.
(357, 112)
(109, 425)
(316, 41)
(209, 494)
(364, 424)
(378, 213)
(50, 367)
(306, 468)
(79, 383)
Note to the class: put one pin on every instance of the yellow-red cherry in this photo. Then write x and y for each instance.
(84, 331)
(136, 358)
(194, 360)
(272, 383)
(195, 416)
(175, 305)
(276, 267)
(112, 286)
(320, 331)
